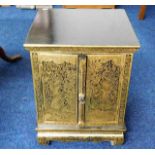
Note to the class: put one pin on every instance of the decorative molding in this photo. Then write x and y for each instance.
(116, 138)
(83, 50)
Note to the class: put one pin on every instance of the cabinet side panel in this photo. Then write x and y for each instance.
(125, 87)
(59, 80)
(37, 86)
(104, 77)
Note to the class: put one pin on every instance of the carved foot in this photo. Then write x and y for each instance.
(7, 58)
(118, 141)
(43, 141)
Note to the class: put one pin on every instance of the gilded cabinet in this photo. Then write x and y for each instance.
(80, 86)
(81, 92)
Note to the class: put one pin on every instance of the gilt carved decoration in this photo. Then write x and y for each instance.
(37, 86)
(56, 90)
(125, 85)
(59, 83)
(102, 82)
(103, 78)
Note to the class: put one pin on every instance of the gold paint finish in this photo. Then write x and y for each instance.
(56, 88)
(82, 88)
(81, 78)
(104, 74)
(81, 95)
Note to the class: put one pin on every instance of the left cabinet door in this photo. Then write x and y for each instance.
(55, 83)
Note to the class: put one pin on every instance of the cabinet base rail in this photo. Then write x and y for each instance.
(115, 137)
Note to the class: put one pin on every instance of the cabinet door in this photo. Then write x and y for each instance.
(57, 89)
(103, 84)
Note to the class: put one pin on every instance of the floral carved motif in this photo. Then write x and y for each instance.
(103, 85)
(59, 89)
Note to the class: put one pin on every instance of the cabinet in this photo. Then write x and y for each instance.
(80, 89)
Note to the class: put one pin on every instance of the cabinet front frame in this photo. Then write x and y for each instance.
(125, 81)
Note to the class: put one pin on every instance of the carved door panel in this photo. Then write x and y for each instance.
(59, 87)
(103, 84)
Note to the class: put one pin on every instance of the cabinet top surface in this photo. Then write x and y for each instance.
(81, 27)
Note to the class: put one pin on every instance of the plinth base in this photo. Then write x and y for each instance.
(115, 137)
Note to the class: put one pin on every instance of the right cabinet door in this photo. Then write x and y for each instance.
(103, 84)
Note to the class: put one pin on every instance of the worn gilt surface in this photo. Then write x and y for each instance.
(83, 89)
(103, 79)
(82, 59)
(37, 87)
(125, 86)
(59, 88)
(82, 50)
